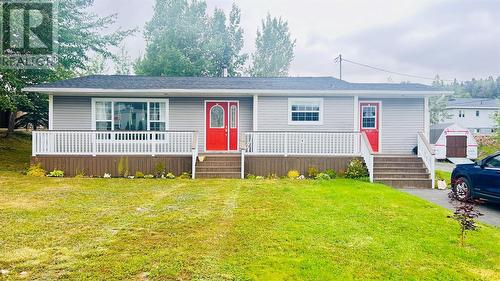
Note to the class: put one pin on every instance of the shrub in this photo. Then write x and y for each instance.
(293, 174)
(259, 177)
(466, 212)
(331, 173)
(272, 177)
(170, 176)
(149, 176)
(323, 176)
(36, 170)
(312, 172)
(185, 175)
(356, 170)
(123, 167)
(56, 174)
(79, 173)
(107, 176)
(160, 169)
(251, 177)
(139, 175)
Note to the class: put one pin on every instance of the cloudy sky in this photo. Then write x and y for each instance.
(453, 38)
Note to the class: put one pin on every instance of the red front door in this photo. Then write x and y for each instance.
(369, 122)
(221, 125)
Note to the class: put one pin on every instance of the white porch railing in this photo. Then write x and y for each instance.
(367, 154)
(114, 143)
(302, 143)
(426, 152)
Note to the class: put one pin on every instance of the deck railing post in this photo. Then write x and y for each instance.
(34, 141)
(243, 163)
(286, 144)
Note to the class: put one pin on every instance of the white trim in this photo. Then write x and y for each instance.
(472, 107)
(255, 125)
(238, 92)
(376, 110)
(379, 120)
(228, 129)
(356, 113)
(51, 112)
(427, 118)
(291, 101)
(146, 100)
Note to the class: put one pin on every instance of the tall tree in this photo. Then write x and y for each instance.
(122, 62)
(80, 32)
(274, 49)
(182, 40)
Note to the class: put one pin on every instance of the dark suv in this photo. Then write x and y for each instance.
(478, 180)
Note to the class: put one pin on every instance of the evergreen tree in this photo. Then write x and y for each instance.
(274, 49)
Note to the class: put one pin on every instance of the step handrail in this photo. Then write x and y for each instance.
(428, 155)
(367, 154)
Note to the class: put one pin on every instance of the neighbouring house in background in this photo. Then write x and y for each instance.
(475, 114)
(453, 141)
(241, 126)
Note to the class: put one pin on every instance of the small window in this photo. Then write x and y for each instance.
(234, 111)
(369, 117)
(217, 117)
(461, 113)
(477, 113)
(103, 115)
(157, 116)
(305, 111)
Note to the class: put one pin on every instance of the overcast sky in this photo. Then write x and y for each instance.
(453, 38)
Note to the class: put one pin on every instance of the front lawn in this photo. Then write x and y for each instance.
(109, 229)
(231, 229)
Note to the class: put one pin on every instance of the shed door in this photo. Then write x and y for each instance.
(456, 146)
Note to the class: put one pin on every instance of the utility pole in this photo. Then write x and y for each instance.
(339, 60)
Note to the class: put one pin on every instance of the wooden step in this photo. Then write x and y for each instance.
(399, 165)
(399, 170)
(218, 175)
(217, 169)
(218, 163)
(217, 158)
(408, 159)
(407, 183)
(410, 175)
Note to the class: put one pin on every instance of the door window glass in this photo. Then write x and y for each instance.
(369, 117)
(216, 117)
(233, 116)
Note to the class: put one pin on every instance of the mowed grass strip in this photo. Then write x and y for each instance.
(232, 230)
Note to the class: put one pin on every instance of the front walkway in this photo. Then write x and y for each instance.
(440, 197)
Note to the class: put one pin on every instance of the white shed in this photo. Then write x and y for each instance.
(451, 140)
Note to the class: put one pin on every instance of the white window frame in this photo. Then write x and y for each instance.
(114, 100)
(376, 117)
(293, 101)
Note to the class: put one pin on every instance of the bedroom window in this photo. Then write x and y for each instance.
(130, 114)
(305, 111)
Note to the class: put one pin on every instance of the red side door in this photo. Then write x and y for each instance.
(217, 118)
(370, 122)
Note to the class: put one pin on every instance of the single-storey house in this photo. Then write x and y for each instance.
(451, 140)
(240, 125)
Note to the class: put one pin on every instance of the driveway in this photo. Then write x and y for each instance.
(445, 166)
(440, 197)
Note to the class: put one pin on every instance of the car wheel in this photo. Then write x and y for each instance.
(462, 189)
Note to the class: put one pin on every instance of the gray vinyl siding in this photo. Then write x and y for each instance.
(401, 121)
(189, 114)
(338, 115)
(72, 113)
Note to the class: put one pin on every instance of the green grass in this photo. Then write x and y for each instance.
(15, 151)
(121, 229)
(484, 150)
(443, 175)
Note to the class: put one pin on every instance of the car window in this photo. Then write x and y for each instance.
(494, 162)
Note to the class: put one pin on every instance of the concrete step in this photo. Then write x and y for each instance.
(399, 165)
(406, 183)
(217, 169)
(396, 170)
(401, 175)
(218, 175)
(217, 158)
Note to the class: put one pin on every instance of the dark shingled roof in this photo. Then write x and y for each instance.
(122, 82)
